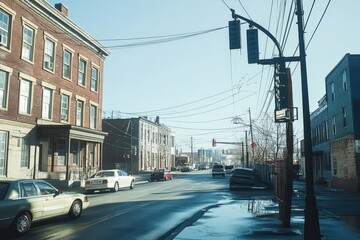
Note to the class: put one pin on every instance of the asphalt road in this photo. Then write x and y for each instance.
(150, 211)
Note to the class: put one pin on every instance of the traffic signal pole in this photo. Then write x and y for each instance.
(311, 226)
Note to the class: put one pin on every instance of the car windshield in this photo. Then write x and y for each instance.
(243, 172)
(105, 174)
(219, 166)
(3, 187)
(159, 170)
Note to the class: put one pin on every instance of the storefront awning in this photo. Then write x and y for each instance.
(70, 132)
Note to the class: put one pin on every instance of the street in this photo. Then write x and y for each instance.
(149, 211)
(167, 210)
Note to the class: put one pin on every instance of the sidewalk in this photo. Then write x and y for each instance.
(258, 219)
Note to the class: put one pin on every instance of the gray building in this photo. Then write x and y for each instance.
(137, 144)
(336, 142)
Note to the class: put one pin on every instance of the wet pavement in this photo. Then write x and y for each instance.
(258, 219)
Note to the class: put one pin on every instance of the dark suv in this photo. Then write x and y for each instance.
(218, 170)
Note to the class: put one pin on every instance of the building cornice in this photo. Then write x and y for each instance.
(50, 13)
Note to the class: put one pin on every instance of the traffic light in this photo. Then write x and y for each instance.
(252, 45)
(213, 142)
(234, 34)
(280, 87)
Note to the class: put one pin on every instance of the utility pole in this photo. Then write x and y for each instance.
(311, 226)
(252, 137)
(246, 150)
(192, 151)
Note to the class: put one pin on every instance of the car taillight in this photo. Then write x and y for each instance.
(86, 199)
(105, 181)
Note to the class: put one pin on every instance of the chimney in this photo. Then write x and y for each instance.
(61, 7)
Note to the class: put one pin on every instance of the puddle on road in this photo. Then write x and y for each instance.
(354, 221)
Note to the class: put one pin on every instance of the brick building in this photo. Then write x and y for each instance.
(51, 80)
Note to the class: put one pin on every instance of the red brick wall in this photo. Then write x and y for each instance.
(13, 60)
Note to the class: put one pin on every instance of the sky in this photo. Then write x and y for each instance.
(171, 58)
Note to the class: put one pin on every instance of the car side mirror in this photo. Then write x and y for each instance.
(57, 192)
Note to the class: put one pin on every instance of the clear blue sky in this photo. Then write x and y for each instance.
(197, 85)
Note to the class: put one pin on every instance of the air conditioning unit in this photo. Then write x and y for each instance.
(64, 117)
(49, 65)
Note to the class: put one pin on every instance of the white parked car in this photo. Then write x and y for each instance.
(23, 201)
(112, 179)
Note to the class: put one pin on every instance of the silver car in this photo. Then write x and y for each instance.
(112, 179)
(23, 201)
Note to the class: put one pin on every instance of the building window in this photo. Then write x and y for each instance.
(4, 76)
(94, 79)
(92, 116)
(334, 125)
(65, 107)
(25, 96)
(25, 153)
(67, 56)
(76, 152)
(5, 27)
(344, 116)
(61, 150)
(332, 91)
(49, 57)
(334, 161)
(92, 154)
(344, 79)
(82, 72)
(28, 43)
(47, 103)
(79, 113)
(3, 153)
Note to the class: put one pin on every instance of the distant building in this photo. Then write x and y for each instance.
(137, 144)
(51, 81)
(336, 128)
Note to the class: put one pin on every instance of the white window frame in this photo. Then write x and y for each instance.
(28, 43)
(334, 125)
(344, 80)
(93, 116)
(82, 72)
(64, 112)
(49, 53)
(80, 106)
(4, 86)
(25, 96)
(6, 27)
(3, 151)
(94, 82)
(67, 62)
(47, 103)
(332, 89)
(25, 153)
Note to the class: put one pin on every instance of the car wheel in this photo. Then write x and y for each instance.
(213, 175)
(116, 187)
(132, 184)
(22, 223)
(75, 209)
(164, 178)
